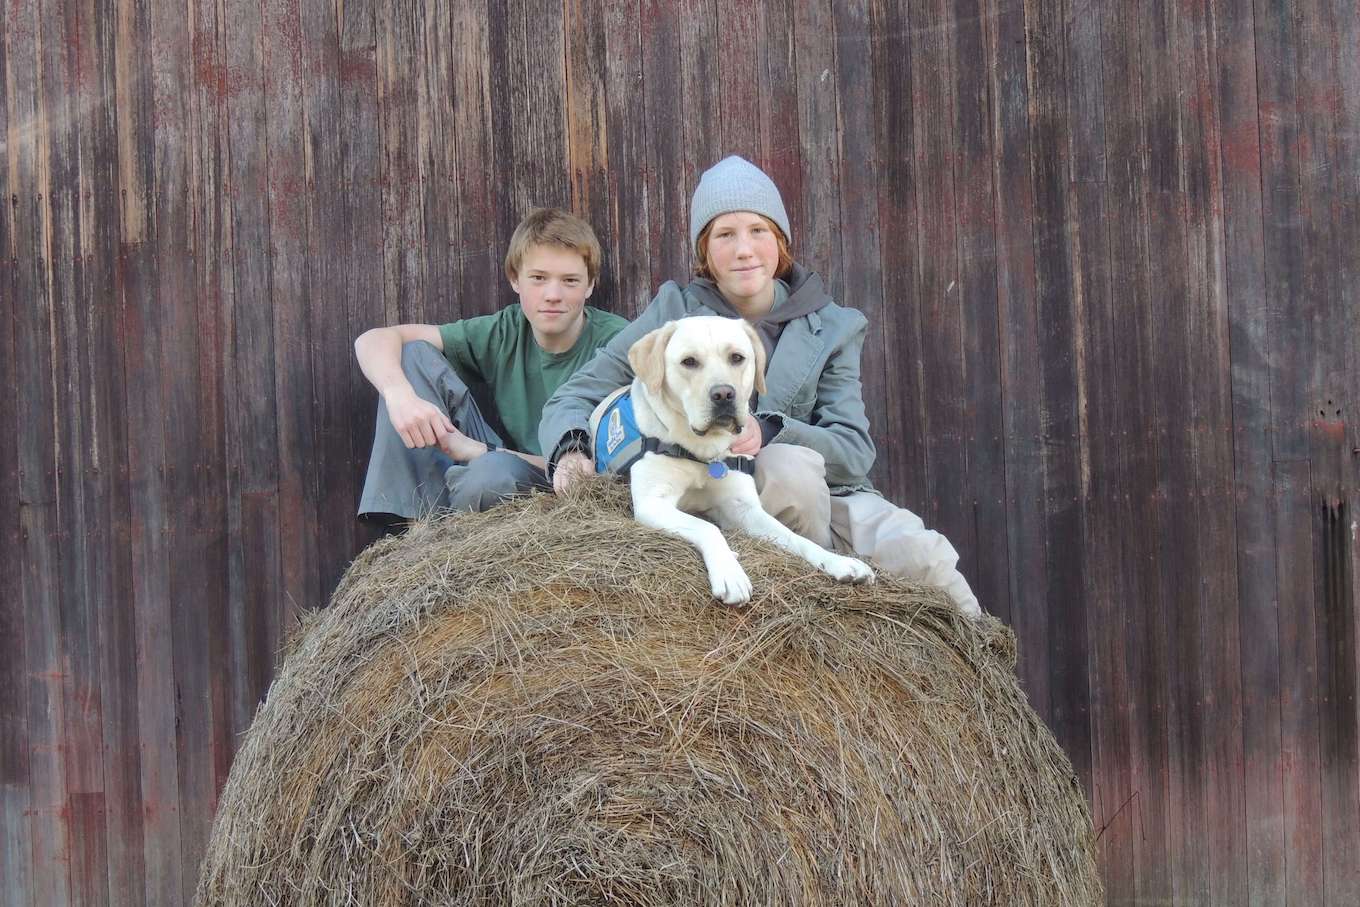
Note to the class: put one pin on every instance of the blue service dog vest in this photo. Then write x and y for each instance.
(619, 444)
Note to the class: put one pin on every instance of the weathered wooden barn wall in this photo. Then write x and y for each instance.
(1109, 251)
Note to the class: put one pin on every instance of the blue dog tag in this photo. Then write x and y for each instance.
(717, 469)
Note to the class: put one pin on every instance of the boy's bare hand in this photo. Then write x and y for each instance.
(572, 468)
(419, 422)
(748, 442)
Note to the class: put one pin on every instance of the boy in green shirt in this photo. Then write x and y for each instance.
(434, 446)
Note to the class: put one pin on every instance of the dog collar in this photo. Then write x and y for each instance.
(716, 468)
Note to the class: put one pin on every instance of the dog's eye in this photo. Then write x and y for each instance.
(689, 362)
(737, 359)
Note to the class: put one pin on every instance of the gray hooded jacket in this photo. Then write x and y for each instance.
(813, 394)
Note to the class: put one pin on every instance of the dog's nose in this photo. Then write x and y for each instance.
(723, 393)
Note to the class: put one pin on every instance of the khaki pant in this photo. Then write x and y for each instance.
(791, 481)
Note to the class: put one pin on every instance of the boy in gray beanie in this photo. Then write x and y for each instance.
(810, 435)
(735, 184)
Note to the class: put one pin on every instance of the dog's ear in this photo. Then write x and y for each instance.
(758, 347)
(647, 356)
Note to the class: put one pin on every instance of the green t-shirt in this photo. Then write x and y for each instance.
(498, 352)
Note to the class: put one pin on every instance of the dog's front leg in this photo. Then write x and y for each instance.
(726, 578)
(742, 510)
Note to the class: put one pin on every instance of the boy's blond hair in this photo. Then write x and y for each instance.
(557, 228)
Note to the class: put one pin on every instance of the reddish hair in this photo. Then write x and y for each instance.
(781, 270)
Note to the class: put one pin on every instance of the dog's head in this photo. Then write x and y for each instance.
(703, 367)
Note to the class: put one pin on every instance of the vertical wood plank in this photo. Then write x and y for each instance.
(537, 56)
(666, 184)
(1321, 377)
(981, 540)
(177, 417)
(70, 81)
(1346, 217)
(1018, 275)
(938, 292)
(248, 317)
(1336, 645)
(1061, 351)
(15, 784)
(1289, 288)
(1138, 839)
(699, 133)
(17, 113)
(1218, 667)
(179, 423)
(331, 255)
(46, 453)
(361, 233)
(506, 76)
(40, 586)
(630, 208)
(1104, 489)
(858, 178)
(1169, 356)
(141, 190)
(1345, 27)
(1299, 694)
(42, 834)
(588, 150)
(1013, 203)
(113, 797)
(741, 98)
(290, 174)
(1239, 150)
(476, 166)
(399, 31)
(432, 79)
(205, 520)
(901, 455)
(780, 137)
(815, 75)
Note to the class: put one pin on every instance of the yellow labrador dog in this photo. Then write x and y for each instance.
(672, 430)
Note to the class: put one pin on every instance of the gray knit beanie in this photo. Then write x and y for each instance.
(734, 184)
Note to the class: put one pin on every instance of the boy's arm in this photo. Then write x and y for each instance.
(419, 422)
(564, 432)
(838, 427)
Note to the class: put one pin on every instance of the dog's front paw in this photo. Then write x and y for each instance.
(848, 570)
(729, 582)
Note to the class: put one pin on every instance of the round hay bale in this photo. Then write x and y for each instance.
(542, 705)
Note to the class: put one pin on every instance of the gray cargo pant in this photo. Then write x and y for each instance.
(792, 485)
(407, 482)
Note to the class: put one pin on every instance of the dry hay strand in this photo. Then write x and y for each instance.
(542, 705)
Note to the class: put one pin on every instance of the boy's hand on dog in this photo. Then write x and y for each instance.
(748, 442)
(419, 422)
(571, 468)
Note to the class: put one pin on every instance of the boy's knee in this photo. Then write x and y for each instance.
(489, 480)
(418, 354)
(791, 481)
(791, 463)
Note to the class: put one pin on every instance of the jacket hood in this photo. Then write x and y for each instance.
(800, 293)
